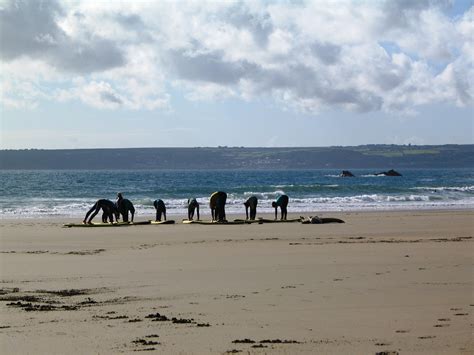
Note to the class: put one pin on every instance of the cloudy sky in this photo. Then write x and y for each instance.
(84, 74)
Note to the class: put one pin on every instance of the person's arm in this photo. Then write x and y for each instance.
(276, 212)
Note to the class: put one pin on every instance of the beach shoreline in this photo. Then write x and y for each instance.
(383, 281)
(206, 215)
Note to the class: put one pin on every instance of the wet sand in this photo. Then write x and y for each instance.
(383, 281)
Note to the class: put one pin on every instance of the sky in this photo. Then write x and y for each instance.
(118, 74)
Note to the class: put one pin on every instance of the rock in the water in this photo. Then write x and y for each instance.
(346, 173)
(391, 172)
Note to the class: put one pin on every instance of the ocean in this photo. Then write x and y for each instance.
(59, 193)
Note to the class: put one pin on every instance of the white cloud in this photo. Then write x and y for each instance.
(351, 55)
(206, 92)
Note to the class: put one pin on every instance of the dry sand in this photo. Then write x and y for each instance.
(385, 281)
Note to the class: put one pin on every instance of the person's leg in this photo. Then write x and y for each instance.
(164, 214)
(90, 211)
(253, 213)
(221, 209)
(97, 209)
(284, 212)
(111, 216)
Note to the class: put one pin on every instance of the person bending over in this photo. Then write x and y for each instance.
(125, 206)
(252, 204)
(108, 208)
(281, 202)
(160, 209)
(217, 205)
(192, 206)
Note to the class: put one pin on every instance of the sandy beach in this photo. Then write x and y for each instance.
(383, 281)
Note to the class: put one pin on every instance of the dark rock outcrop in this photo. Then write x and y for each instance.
(391, 172)
(346, 173)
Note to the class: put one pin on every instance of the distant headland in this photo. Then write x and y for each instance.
(336, 157)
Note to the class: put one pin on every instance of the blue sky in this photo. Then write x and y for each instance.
(274, 73)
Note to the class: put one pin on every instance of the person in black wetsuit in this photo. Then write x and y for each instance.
(217, 205)
(252, 204)
(281, 202)
(192, 206)
(109, 211)
(124, 206)
(160, 209)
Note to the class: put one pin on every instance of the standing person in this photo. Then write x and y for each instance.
(252, 204)
(109, 211)
(193, 205)
(160, 209)
(124, 206)
(217, 205)
(281, 202)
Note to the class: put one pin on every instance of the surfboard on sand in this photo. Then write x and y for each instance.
(186, 221)
(264, 220)
(139, 223)
(247, 221)
(100, 224)
(97, 224)
(170, 221)
(242, 221)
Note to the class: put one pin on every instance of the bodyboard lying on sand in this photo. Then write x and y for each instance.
(98, 224)
(170, 221)
(186, 221)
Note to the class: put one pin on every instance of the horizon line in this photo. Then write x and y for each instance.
(248, 147)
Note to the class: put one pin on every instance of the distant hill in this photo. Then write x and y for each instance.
(366, 156)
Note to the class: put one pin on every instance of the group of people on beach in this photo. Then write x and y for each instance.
(217, 201)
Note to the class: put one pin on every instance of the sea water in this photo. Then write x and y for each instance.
(60, 193)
